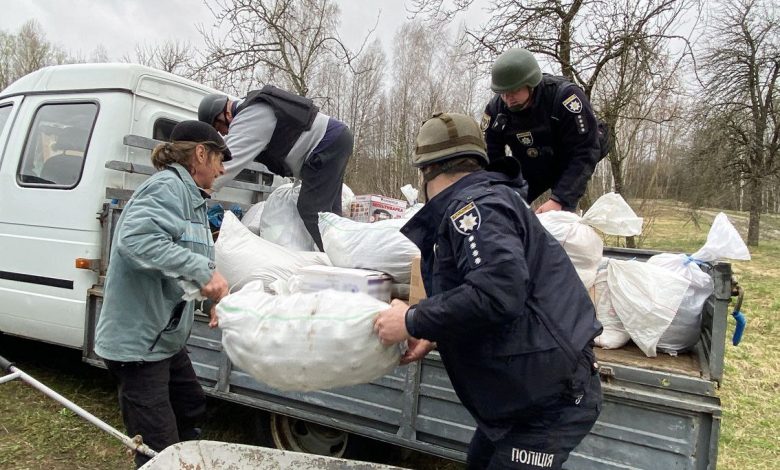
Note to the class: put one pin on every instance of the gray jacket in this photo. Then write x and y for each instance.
(162, 237)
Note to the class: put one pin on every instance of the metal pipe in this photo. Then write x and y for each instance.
(134, 444)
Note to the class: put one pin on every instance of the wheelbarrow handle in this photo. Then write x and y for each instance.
(5, 364)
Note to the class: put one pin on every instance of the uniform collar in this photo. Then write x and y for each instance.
(422, 227)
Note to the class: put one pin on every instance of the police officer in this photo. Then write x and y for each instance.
(548, 124)
(506, 309)
(289, 135)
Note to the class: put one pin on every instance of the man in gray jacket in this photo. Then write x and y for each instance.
(289, 135)
(162, 242)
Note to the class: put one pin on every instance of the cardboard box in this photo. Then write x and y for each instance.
(374, 283)
(416, 288)
(373, 207)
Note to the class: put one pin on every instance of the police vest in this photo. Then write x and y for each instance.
(294, 115)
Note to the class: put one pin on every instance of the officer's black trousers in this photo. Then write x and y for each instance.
(322, 176)
(544, 441)
(162, 401)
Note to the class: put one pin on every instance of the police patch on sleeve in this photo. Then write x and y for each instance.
(485, 122)
(573, 104)
(466, 220)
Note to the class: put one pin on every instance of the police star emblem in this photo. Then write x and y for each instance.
(573, 104)
(525, 138)
(466, 220)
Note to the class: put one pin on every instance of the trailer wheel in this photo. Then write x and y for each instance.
(298, 435)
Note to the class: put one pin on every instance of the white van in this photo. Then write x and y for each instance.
(59, 127)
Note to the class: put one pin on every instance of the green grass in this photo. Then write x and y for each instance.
(36, 433)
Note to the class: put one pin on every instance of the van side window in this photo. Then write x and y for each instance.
(162, 129)
(5, 113)
(57, 145)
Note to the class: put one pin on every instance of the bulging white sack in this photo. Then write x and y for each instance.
(614, 335)
(281, 224)
(646, 298)
(723, 241)
(242, 256)
(610, 214)
(379, 246)
(251, 219)
(683, 333)
(583, 245)
(305, 342)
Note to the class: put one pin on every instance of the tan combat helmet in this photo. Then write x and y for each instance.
(449, 135)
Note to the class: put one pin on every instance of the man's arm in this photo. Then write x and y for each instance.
(577, 130)
(492, 125)
(249, 134)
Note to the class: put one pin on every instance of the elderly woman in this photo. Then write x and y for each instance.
(162, 243)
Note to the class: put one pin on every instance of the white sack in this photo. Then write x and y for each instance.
(305, 342)
(683, 333)
(379, 246)
(242, 256)
(347, 198)
(583, 245)
(281, 224)
(610, 214)
(251, 219)
(723, 241)
(646, 298)
(614, 335)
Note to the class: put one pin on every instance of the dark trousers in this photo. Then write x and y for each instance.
(162, 401)
(544, 441)
(321, 179)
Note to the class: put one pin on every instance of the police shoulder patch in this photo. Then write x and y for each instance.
(466, 219)
(573, 104)
(485, 122)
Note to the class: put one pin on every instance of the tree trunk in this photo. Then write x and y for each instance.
(754, 194)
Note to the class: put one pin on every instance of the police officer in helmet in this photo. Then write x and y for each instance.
(549, 126)
(506, 309)
(289, 135)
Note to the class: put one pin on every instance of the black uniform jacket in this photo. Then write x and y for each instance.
(495, 277)
(556, 139)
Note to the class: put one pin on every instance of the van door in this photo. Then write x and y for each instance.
(48, 209)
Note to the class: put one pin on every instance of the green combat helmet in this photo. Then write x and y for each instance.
(514, 69)
(448, 135)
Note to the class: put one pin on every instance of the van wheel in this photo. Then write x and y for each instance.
(298, 435)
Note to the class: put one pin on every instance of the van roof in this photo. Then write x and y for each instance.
(83, 77)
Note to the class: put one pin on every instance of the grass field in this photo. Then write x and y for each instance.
(36, 432)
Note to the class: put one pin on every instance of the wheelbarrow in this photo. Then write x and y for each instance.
(198, 454)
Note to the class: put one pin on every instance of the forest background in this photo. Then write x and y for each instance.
(686, 86)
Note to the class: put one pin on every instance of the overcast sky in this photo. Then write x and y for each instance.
(79, 26)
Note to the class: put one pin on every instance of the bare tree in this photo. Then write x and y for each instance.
(610, 47)
(285, 41)
(742, 68)
(25, 52)
(171, 56)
